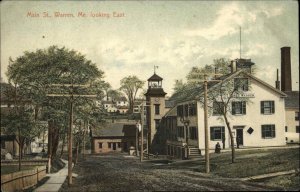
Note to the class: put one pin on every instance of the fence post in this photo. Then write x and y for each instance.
(37, 174)
(22, 181)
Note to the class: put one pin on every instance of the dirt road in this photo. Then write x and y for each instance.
(119, 172)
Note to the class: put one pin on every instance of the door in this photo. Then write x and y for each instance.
(114, 146)
(239, 134)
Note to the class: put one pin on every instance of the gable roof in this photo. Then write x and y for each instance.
(292, 99)
(114, 130)
(195, 92)
(155, 77)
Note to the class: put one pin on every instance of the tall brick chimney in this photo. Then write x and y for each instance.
(286, 77)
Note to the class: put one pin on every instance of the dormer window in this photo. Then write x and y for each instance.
(241, 84)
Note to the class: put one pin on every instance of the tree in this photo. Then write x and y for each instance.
(114, 94)
(39, 71)
(130, 86)
(219, 66)
(106, 87)
(220, 95)
(222, 98)
(19, 118)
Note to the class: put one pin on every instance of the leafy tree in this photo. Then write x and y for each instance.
(220, 101)
(44, 72)
(114, 94)
(19, 118)
(130, 86)
(220, 96)
(106, 87)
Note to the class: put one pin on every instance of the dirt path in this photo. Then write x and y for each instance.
(119, 173)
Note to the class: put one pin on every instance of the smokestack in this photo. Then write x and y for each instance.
(233, 66)
(286, 77)
(277, 82)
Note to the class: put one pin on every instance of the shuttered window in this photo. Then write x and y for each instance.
(239, 108)
(268, 131)
(216, 133)
(267, 107)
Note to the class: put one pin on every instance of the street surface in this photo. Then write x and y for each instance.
(120, 172)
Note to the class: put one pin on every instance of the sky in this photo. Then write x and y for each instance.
(130, 37)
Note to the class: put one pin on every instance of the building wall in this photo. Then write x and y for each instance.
(153, 116)
(291, 123)
(105, 148)
(253, 119)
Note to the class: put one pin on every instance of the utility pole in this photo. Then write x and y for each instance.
(70, 138)
(206, 128)
(142, 133)
(206, 132)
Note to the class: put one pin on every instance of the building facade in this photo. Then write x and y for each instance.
(155, 100)
(113, 137)
(256, 120)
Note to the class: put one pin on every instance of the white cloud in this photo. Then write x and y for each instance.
(230, 17)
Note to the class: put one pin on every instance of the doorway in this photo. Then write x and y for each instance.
(239, 134)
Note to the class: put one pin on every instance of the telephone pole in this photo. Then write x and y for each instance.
(70, 138)
(206, 128)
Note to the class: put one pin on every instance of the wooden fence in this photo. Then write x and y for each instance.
(18, 181)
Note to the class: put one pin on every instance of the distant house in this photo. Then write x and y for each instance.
(292, 117)
(110, 106)
(121, 102)
(113, 137)
(122, 109)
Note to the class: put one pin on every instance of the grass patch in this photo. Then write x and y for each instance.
(6, 169)
(253, 162)
(287, 182)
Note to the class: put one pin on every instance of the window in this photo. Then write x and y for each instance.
(180, 131)
(100, 145)
(193, 133)
(297, 129)
(218, 108)
(156, 109)
(119, 145)
(297, 116)
(267, 107)
(186, 110)
(239, 108)
(241, 84)
(286, 128)
(268, 131)
(192, 109)
(216, 133)
(180, 110)
(109, 145)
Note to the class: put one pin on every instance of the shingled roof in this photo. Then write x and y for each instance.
(114, 130)
(195, 92)
(292, 99)
(155, 77)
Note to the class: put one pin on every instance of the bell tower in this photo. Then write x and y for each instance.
(155, 98)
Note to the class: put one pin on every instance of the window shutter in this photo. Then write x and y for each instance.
(262, 107)
(212, 136)
(244, 107)
(273, 107)
(262, 132)
(233, 108)
(273, 131)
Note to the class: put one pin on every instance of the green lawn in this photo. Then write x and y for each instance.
(254, 162)
(14, 168)
(258, 162)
